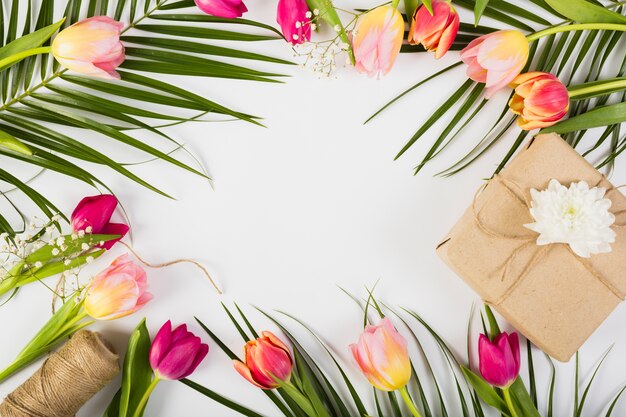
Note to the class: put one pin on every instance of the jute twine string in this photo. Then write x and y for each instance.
(66, 380)
(174, 262)
(529, 240)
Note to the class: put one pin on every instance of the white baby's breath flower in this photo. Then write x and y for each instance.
(577, 216)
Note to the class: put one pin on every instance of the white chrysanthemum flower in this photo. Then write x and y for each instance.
(577, 216)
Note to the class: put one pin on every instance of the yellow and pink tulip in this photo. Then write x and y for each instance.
(540, 100)
(118, 291)
(91, 47)
(377, 39)
(496, 59)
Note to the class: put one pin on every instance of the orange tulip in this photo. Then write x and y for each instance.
(267, 362)
(540, 100)
(435, 32)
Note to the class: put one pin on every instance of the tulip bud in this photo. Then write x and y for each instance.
(499, 360)
(176, 354)
(540, 100)
(293, 20)
(377, 39)
(435, 32)
(383, 357)
(496, 58)
(94, 213)
(118, 291)
(268, 362)
(229, 9)
(91, 47)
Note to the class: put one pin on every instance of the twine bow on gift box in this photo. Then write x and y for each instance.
(529, 240)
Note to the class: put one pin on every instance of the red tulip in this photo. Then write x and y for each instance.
(176, 354)
(435, 32)
(93, 215)
(229, 9)
(294, 23)
(540, 100)
(267, 362)
(500, 359)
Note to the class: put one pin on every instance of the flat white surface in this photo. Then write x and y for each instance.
(310, 203)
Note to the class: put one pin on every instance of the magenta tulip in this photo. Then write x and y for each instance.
(500, 359)
(229, 9)
(294, 23)
(176, 354)
(93, 215)
(268, 362)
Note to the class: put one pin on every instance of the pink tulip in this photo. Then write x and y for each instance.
(435, 32)
(229, 9)
(377, 39)
(293, 20)
(383, 357)
(496, 58)
(499, 360)
(93, 215)
(268, 362)
(118, 291)
(540, 100)
(176, 354)
(91, 47)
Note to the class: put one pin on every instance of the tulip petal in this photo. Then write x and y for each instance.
(113, 229)
(94, 211)
(160, 344)
(178, 360)
(244, 371)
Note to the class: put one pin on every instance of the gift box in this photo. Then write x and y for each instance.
(551, 295)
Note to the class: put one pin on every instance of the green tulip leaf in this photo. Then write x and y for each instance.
(429, 5)
(479, 9)
(522, 400)
(485, 391)
(600, 116)
(583, 11)
(9, 142)
(409, 8)
(137, 373)
(30, 41)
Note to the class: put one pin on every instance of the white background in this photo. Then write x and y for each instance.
(310, 203)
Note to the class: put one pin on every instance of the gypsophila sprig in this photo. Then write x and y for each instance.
(42, 252)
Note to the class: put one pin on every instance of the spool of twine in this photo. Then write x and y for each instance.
(66, 380)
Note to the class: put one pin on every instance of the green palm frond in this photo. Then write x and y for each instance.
(575, 57)
(39, 99)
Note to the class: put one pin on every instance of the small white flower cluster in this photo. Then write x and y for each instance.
(14, 250)
(578, 216)
(321, 57)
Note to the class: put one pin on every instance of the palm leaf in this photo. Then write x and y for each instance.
(39, 99)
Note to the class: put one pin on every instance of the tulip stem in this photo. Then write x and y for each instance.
(580, 26)
(146, 396)
(509, 402)
(596, 88)
(404, 393)
(12, 59)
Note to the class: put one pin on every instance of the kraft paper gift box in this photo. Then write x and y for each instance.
(553, 297)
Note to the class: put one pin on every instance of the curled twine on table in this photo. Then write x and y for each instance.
(174, 262)
(66, 380)
(511, 187)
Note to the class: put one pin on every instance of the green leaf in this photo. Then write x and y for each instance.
(479, 9)
(583, 11)
(137, 373)
(203, 33)
(30, 41)
(220, 399)
(522, 400)
(600, 116)
(429, 5)
(409, 7)
(8, 141)
(485, 391)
